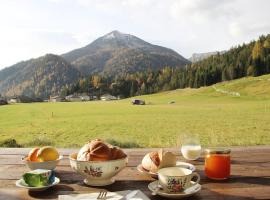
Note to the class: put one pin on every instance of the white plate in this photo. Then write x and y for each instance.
(20, 183)
(178, 164)
(153, 186)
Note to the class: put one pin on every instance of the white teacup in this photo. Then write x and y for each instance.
(176, 179)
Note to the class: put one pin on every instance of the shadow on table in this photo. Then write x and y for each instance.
(237, 179)
(216, 192)
(209, 195)
(205, 193)
(262, 180)
(239, 162)
(52, 193)
(249, 180)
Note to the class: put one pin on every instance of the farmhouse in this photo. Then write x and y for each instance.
(56, 99)
(85, 98)
(77, 98)
(14, 100)
(73, 98)
(107, 97)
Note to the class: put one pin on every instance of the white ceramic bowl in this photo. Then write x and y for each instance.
(41, 165)
(97, 173)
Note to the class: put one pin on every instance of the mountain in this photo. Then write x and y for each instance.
(39, 77)
(196, 57)
(117, 52)
(114, 53)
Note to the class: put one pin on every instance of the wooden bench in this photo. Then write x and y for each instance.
(250, 176)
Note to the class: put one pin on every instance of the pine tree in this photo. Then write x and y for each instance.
(143, 89)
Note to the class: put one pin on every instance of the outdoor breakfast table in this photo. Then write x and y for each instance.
(250, 176)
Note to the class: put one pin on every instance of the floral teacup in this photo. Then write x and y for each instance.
(176, 179)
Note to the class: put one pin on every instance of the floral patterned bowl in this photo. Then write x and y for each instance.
(97, 173)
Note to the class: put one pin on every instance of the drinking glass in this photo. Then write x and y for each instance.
(191, 147)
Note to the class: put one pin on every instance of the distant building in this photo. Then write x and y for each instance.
(24, 99)
(56, 99)
(77, 98)
(73, 98)
(107, 97)
(14, 100)
(85, 98)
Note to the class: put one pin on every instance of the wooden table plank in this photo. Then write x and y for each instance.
(15, 172)
(250, 176)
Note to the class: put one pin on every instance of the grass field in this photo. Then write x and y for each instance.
(214, 113)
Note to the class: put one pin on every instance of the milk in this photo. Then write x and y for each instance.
(191, 152)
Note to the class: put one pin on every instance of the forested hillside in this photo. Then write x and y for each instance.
(38, 77)
(251, 59)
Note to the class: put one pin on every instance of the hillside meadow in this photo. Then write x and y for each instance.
(229, 113)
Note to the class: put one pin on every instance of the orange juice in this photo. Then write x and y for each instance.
(218, 163)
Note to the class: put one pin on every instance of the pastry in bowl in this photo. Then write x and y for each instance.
(98, 162)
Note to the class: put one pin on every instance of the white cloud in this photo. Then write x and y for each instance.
(199, 11)
(55, 1)
(239, 30)
(35, 27)
(235, 30)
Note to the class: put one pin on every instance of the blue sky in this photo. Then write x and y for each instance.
(32, 28)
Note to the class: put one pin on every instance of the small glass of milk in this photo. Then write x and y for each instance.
(191, 147)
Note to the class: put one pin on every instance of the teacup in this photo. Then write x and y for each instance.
(176, 179)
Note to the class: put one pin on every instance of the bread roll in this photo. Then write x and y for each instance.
(151, 162)
(95, 150)
(168, 160)
(156, 160)
(117, 153)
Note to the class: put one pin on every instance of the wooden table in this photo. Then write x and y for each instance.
(250, 177)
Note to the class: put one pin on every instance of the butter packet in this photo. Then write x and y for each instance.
(39, 177)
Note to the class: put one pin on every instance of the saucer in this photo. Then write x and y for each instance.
(178, 164)
(20, 183)
(153, 186)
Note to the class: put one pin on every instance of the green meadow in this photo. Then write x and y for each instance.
(227, 114)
